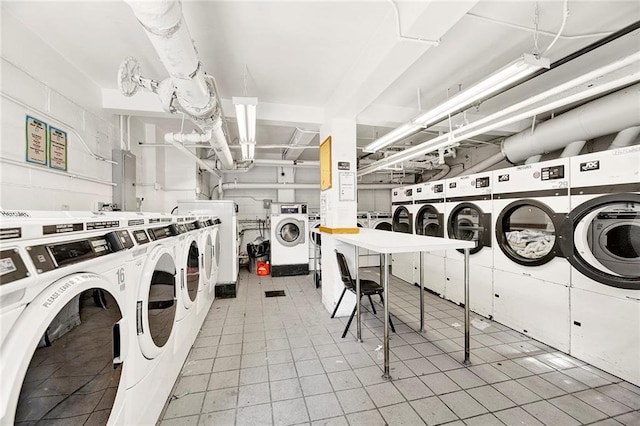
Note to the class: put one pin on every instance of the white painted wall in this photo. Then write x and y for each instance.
(38, 76)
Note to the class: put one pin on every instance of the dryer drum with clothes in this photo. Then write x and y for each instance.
(531, 274)
(601, 238)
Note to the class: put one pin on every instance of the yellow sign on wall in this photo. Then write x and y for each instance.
(325, 164)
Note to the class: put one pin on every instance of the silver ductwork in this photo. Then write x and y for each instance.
(189, 89)
(572, 149)
(274, 186)
(604, 116)
(484, 164)
(625, 137)
(533, 159)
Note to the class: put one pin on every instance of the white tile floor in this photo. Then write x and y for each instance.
(261, 361)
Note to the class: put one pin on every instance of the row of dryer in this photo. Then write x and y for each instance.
(364, 219)
(98, 311)
(557, 253)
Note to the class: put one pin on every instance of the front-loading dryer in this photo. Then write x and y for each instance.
(468, 217)
(314, 239)
(289, 239)
(382, 222)
(157, 348)
(602, 242)
(403, 264)
(63, 317)
(428, 199)
(531, 275)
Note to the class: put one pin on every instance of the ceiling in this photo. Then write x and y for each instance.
(341, 58)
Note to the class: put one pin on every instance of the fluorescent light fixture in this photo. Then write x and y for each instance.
(395, 135)
(516, 71)
(246, 117)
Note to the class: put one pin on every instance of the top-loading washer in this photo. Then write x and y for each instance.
(289, 239)
(602, 242)
(531, 276)
(468, 217)
(402, 221)
(227, 213)
(428, 199)
(62, 284)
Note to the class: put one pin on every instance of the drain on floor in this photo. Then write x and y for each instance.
(275, 293)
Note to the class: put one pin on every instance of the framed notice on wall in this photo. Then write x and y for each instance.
(325, 164)
(57, 149)
(36, 141)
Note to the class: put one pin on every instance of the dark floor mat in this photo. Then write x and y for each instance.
(275, 293)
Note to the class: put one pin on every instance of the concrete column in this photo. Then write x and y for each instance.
(338, 213)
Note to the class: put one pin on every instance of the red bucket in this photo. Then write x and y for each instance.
(263, 269)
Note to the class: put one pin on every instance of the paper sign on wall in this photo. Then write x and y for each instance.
(57, 149)
(347, 186)
(36, 141)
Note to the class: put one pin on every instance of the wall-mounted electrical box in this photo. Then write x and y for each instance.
(124, 176)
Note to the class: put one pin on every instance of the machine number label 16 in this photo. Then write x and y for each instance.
(120, 277)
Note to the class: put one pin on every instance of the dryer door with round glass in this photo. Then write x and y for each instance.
(402, 220)
(290, 233)
(606, 241)
(429, 222)
(468, 222)
(527, 231)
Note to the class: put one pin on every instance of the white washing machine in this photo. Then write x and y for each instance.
(402, 221)
(63, 317)
(191, 281)
(602, 241)
(227, 212)
(158, 347)
(289, 239)
(468, 217)
(362, 221)
(381, 221)
(428, 199)
(531, 276)
(314, 239)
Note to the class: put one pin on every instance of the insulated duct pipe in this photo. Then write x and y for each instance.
(287, 163)
(247, 185)
(484, 164)
(603, 116)
(625, 137)
(165, 27)
(175, 139)
(572, 149)
(195, 92)
(533, 159)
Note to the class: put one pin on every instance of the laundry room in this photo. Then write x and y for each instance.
(195, 196)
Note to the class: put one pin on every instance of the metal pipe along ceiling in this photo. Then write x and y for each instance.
(252, 185)
(194, 90)
(601, 117)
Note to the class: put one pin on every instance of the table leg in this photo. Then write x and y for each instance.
(386, 374)
(466, 307)
(421, 292)
(358, 324)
